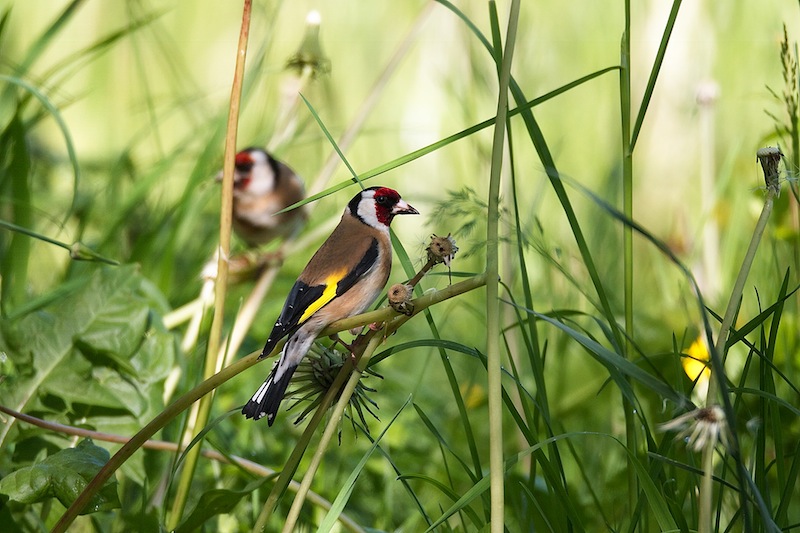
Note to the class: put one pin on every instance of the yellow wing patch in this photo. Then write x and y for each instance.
(327, 295)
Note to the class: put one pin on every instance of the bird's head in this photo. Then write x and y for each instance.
(255, 172)
(377, 206)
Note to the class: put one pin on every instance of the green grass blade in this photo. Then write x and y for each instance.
(654, 497)
(788, 497)
(657, 63)
(400, 476)
(616, 363)
(539, 143)
(16, 172)
(49, 35)
(425, 150)
(442, 441)
(62, 125)
(447, 491)
(332, 141)
(337, 507)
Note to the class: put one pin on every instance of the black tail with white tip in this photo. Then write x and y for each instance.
(268, 397)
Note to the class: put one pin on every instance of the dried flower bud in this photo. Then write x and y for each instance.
(770, 157)
(442, 249)
(400, 298)
(81, 252)
(309, 54)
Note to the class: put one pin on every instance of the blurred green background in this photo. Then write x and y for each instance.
(143, 88)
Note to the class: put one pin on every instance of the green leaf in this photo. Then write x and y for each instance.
(14, 258)
(218, 501)
(658, 504)
(99, 346)
(448, 492)
(63, 475)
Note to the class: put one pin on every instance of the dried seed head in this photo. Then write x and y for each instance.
(315, 375)
(442, 249)
(310, 54)
(400, 298)
(770, 158)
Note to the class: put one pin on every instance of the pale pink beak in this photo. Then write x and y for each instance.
(402, 208)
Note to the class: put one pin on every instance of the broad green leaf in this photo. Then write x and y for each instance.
(63, 475)
(99, 346)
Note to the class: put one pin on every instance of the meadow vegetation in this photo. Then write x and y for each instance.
(615, 345)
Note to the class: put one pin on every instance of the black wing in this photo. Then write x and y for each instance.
(304, 300)
(300, 298)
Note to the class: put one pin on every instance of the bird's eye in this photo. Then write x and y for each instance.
(382, 200)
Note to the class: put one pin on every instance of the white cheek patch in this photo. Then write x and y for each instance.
(262, 176)
(366, 212)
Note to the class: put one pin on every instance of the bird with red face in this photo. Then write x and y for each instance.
(342, 279)
(262, 186)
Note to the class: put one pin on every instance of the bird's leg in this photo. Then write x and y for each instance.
(271, 258)
(338, 340)
(250, 264)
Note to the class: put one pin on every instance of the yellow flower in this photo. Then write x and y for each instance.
(695, 361)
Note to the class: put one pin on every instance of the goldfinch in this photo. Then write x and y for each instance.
(262, 186)
(342, 279)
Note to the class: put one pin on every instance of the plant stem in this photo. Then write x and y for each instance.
(627, 238)
(494, 363)
(420, 304)
(290, 467)
(330, 430)
(718, 374)
(160, 445)
(738, 290)
(794, 173)
(221, 287)
(137, 441)
(705, 518)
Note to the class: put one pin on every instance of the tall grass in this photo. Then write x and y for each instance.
(531, 386)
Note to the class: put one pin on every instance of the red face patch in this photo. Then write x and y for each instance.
(244, 164)
(244, 161)
(385, 200)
